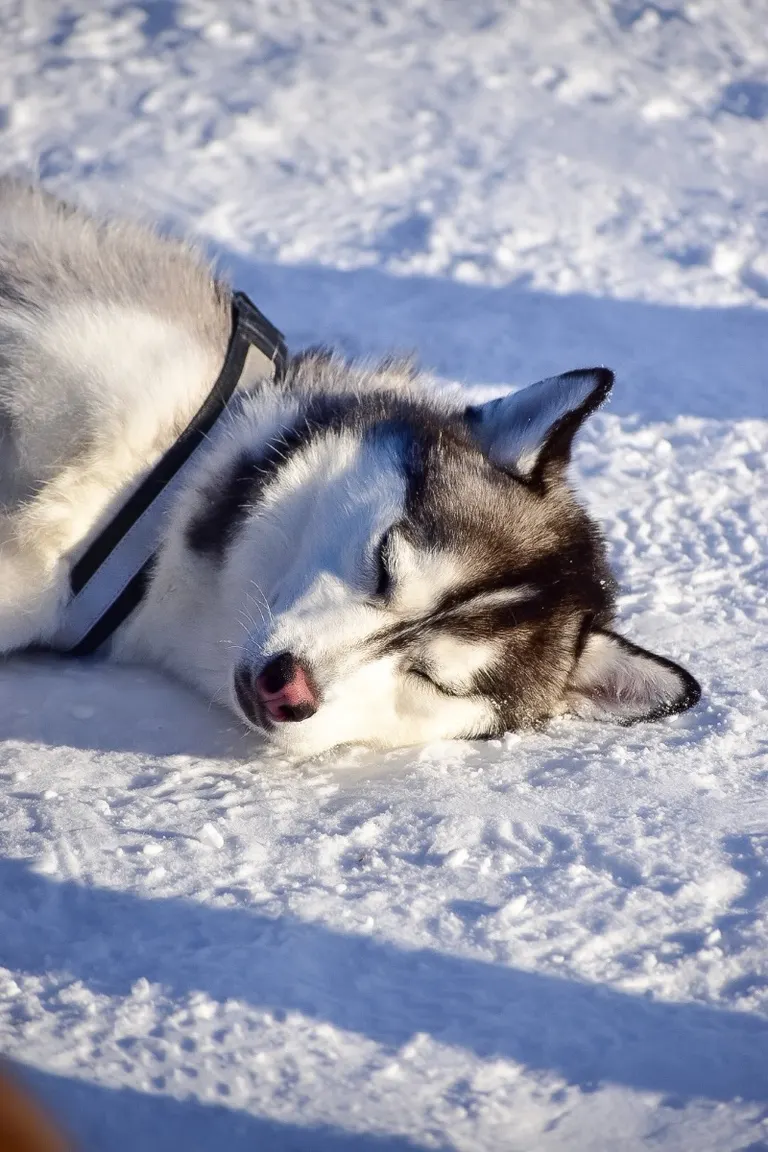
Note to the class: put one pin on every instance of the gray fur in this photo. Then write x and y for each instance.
(51, 256)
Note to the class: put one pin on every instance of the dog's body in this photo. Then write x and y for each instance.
(354, 558)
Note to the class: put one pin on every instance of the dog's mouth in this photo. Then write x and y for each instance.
(250, 705)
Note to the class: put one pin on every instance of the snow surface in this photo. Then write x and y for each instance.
(555, 941)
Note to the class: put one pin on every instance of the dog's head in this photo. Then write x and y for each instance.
(406, 572)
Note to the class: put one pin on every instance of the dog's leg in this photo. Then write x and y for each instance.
(36, 541)
(31, 593)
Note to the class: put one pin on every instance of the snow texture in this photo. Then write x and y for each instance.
(554, 941)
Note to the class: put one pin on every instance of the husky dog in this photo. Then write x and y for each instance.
(353, 558)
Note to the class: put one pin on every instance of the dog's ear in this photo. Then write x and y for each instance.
(531, 432)
(616, 680)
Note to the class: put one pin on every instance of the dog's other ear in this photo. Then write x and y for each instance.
(615, 680)
(531, 431)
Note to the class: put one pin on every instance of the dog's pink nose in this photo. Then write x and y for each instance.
(285, 689)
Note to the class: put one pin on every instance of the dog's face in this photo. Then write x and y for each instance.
(404, 576)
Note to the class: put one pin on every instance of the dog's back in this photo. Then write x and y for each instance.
(110, 336)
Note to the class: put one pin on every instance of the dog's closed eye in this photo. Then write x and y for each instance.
(383, 574)
(428, 681)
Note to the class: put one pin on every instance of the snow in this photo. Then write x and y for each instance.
(556, 941)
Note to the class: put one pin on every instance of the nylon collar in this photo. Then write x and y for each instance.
(109, 581)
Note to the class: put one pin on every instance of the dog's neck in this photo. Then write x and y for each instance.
(109, 580)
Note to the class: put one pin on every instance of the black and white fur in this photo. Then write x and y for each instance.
(427, 564)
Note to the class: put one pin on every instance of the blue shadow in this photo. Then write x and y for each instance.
(586, 1033)
(669, 360)
(122, 1120)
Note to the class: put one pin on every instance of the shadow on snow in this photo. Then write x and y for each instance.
(123, 1120)
(587, 1034)
(669, 360)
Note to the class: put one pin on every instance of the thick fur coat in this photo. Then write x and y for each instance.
(355, 559)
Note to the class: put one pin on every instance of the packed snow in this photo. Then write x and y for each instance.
(556, 941)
